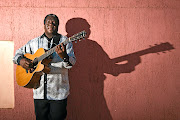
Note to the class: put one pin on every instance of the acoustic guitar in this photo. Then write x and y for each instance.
(31, 78)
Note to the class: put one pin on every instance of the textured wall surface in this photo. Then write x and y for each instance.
(118, 76)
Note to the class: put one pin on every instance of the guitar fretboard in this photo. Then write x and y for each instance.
(46, 54)
(75, 37)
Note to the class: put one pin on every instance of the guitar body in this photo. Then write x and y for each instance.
(29, 79)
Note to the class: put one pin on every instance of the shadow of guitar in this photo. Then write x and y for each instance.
(129, 61)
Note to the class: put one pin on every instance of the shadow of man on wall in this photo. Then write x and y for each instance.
(87, 101)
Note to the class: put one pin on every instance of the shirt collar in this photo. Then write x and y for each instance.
(49, 39)
(44, 35)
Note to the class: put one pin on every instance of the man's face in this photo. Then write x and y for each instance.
(51, 26)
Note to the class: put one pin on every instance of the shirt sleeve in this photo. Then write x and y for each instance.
(72, 58)
(20, 53)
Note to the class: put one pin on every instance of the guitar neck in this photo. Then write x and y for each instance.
(75, 37)
(46, 54)
(49, 52)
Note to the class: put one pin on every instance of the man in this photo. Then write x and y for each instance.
(50, 98)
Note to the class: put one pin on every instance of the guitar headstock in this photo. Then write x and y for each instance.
(163, 47)
(78, 36)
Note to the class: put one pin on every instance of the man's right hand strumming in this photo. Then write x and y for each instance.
(25, 63)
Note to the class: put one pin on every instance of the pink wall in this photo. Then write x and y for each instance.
(116, 76)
